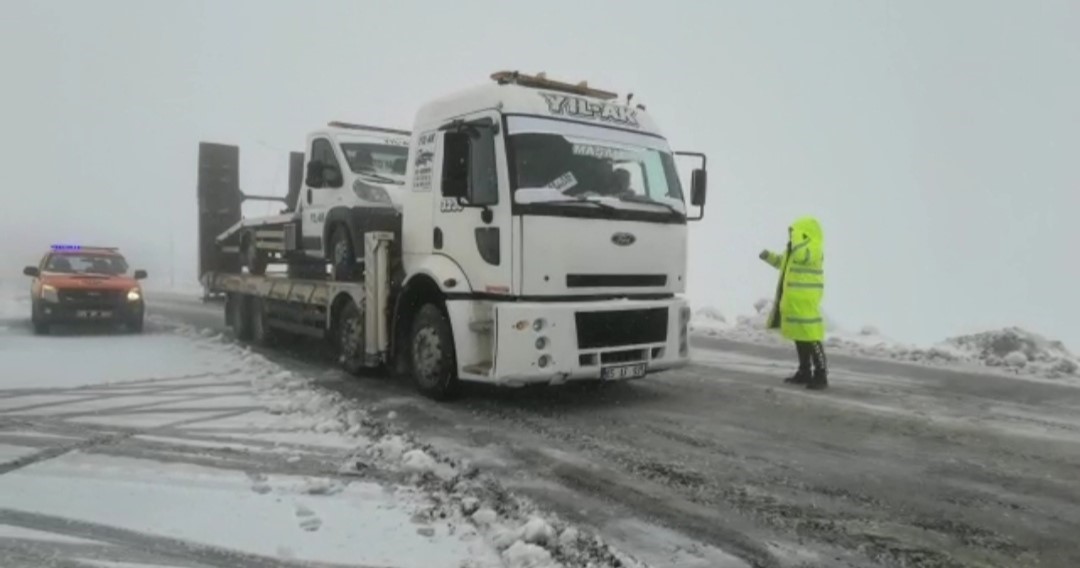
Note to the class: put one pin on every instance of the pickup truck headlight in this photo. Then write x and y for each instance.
(134, 295)
(372, 193)
(48, 293)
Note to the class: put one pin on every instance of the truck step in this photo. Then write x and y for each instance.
(482, 326)
(482, 368)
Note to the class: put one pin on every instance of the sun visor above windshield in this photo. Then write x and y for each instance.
(529, 124)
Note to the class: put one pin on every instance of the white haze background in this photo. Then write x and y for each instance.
(936, 141)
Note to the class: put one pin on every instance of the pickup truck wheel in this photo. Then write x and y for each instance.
(349, 338)
(254, 259)
(134, 325)
(342, 255)
(40, 327)
(431, 349)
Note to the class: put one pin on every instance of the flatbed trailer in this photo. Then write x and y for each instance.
(259, 307)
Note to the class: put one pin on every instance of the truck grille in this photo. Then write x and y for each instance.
(91, 298)
(621, 327)
(615, 280)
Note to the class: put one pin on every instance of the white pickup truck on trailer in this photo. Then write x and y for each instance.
(525, 231)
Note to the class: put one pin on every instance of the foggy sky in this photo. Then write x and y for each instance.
(936, 141)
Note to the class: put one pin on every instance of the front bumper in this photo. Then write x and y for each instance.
(82, 310)
(554, 342)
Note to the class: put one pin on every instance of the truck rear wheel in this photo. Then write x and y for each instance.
(238, 306)
(349, 338)
(431, 351)
(261, 332)
(254, 259)
(342, 255)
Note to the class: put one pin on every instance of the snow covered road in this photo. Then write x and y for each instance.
(896, 465)
(177, 448)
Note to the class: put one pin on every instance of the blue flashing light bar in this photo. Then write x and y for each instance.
(67, 247)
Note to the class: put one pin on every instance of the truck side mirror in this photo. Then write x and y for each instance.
(455, 174)
(31, 271)
(140, 274)
(698, 182)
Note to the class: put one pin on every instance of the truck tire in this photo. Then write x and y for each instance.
(343, 265)
(238, 307)
(254, 259)
(261, 332)
(349, 338)
(431, 354)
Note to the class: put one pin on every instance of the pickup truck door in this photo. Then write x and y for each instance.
(321, 190)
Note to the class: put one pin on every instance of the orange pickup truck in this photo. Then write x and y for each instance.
(85, 284)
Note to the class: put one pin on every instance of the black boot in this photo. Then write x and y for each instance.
(801, 377)
(819, 380)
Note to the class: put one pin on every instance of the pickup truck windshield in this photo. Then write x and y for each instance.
(111, 265)
(373, 158)
(559, 162)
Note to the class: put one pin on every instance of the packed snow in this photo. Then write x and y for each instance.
(1013, 350)
(182, 434)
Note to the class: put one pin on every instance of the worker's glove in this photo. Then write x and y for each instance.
(764, 255)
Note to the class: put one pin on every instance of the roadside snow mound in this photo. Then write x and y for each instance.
(1010, 349)
(711, 322)
(1018, 350)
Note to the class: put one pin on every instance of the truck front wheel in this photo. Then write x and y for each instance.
(349, 337)
(431, 349)
(342, 255)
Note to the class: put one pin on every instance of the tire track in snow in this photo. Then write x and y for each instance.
(164, 547)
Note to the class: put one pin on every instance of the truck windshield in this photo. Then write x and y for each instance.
(112, 265)
(377, 159)
(559, 162)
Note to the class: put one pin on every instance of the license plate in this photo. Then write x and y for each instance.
(93, 314)
(623, 372)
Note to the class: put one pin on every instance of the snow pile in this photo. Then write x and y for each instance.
(1011, 349)
(1018, 350)
(454, 492)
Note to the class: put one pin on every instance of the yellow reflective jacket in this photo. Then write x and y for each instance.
(797, 305)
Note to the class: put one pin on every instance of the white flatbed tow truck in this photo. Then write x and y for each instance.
(525, 231)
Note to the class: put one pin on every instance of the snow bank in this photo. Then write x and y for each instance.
(1011, 349)
(1018, 350)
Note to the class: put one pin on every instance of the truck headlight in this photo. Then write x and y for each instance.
(48, 293)
(134, 295)
(372, 193)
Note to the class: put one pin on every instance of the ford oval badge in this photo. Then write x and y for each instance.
(623, 239)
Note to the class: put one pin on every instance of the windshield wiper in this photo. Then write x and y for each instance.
(381, 178)
(642, 199)
(583, 199)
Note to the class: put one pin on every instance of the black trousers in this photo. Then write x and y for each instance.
(811, 353)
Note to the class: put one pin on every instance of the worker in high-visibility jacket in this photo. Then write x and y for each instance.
(796, 308)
